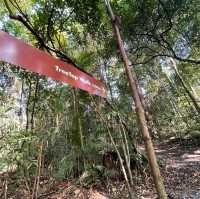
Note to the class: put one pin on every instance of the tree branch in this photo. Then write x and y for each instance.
(27, 24)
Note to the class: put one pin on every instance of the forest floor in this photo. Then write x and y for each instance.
(180, 168)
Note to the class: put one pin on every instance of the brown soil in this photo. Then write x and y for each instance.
(180, 168)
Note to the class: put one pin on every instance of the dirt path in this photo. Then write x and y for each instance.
(181, 169)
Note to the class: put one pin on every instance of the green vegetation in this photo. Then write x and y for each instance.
(51, 131)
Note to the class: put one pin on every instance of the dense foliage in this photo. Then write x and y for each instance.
(51, 129)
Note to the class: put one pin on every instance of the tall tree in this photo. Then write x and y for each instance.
(139, 108)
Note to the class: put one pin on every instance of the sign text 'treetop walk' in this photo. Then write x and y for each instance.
(17, 52)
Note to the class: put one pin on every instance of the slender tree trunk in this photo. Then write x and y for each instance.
(34, 103)
(78, 125)
(195, 93)
(139, 109)
(172, 99)
(28, 104)
(190, 94)
(130, 190)
(125, 148)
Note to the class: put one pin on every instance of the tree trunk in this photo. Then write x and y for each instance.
(139, 109)
(190, 94)
(77, 133)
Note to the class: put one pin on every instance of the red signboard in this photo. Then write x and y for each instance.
(17, 52)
